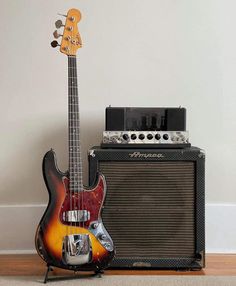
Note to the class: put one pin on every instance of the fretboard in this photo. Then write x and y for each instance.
(75, 162)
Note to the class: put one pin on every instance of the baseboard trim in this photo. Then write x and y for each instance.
(18, 252)
(18, 235)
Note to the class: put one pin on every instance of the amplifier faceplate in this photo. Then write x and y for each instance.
(145, 137)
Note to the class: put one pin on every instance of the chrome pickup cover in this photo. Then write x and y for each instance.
(76, 216)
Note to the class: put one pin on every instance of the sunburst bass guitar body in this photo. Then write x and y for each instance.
(52, 241)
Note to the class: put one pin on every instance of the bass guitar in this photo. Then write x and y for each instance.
(71, 233)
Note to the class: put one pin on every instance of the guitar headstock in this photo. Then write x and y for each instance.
(71, 40)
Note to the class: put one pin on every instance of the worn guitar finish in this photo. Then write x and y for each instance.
(52, 230)
(71, 234)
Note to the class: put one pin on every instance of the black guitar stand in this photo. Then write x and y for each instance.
(97, 274)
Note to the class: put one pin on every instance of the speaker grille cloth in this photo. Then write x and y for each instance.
(149, 208)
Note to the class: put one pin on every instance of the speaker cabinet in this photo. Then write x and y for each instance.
(154, 206)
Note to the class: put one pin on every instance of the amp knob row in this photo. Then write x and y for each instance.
(142, 136)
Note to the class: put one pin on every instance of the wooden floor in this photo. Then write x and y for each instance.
(32, 265)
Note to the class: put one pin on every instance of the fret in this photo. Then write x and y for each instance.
(76, 186)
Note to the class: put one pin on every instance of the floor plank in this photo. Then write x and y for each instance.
(32, 265)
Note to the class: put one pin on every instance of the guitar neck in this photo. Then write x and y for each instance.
(75, 162)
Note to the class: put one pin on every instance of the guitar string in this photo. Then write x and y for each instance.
(80, 171)
(76, 110)
(74, 160)
(69, 124)
(70, 141)
(76, 101)
(75, 140)
(78, 153)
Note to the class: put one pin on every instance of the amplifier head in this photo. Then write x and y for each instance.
(145, 119)
(154, 206)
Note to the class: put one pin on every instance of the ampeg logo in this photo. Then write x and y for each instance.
(146, 155)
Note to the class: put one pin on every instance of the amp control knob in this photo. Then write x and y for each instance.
(125, 136)
(158, 136)
(133, 136)
(166, 136)
(149, 136)
(141, 136)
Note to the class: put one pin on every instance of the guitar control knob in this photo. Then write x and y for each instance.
(133, 136)
(125, 136)
(149, 136)
(165, 136)
(94, 225)
(141, 136)
(158, 136)
(102, 236)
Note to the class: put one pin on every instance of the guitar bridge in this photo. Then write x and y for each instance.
(76, 216)
(77, 249)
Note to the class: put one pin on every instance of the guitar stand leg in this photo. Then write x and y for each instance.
(49, 268)
(98, 273)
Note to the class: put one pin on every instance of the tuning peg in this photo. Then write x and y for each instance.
(56, 34)
(54, 44)
(59, 24)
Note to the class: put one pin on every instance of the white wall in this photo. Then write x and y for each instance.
(136, 53)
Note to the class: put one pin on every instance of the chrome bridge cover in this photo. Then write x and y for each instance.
(76, 216)
(77, 249)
